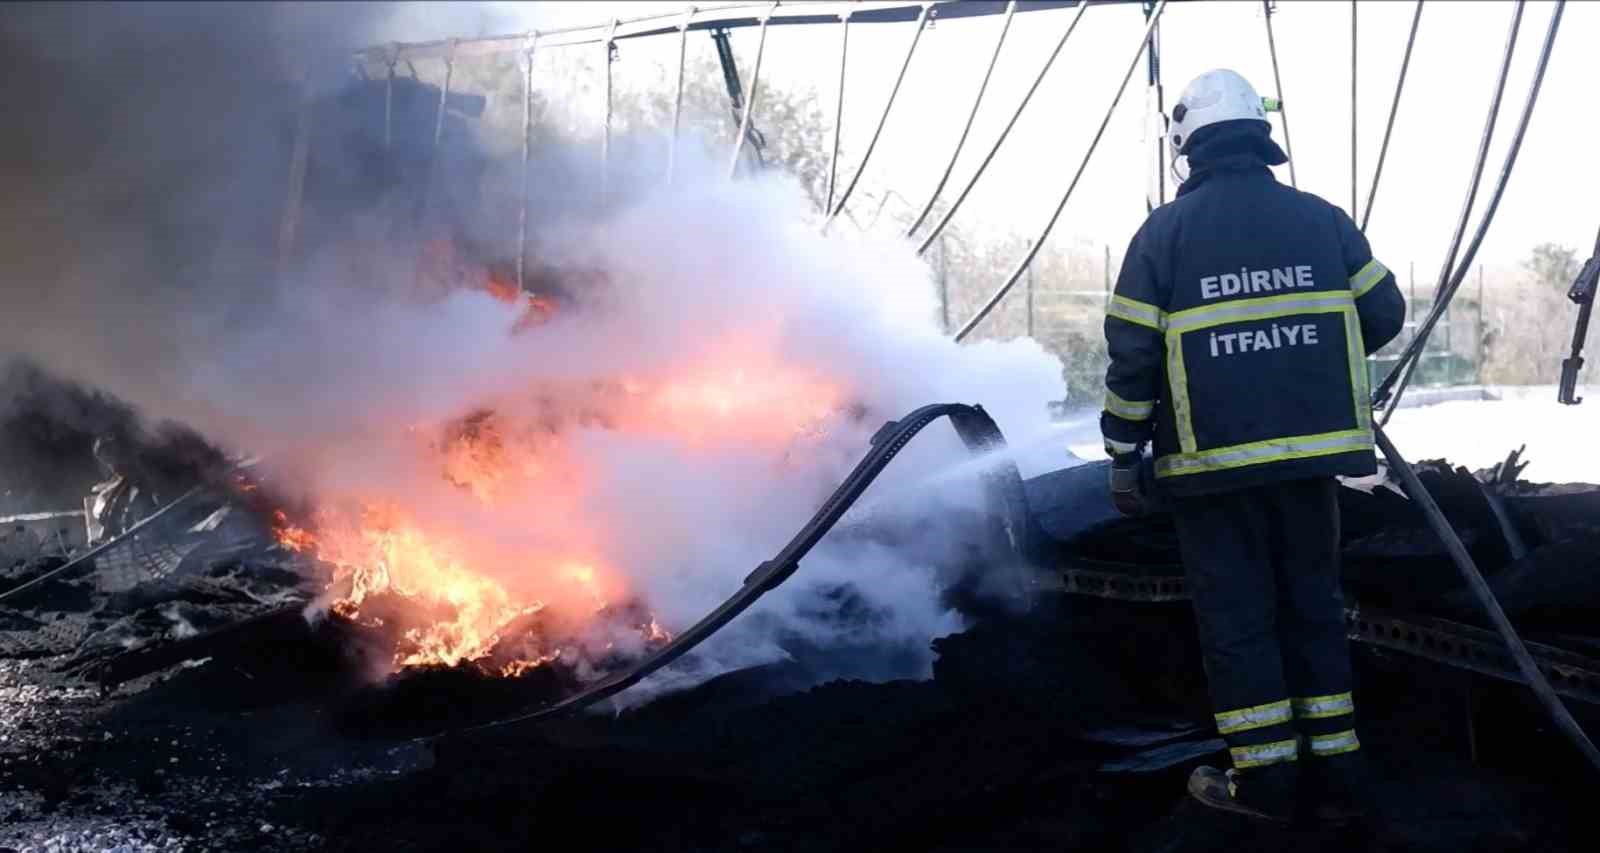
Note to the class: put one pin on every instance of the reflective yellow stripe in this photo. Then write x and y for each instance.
(1360, 392)
(1138, 313)
(1276, 752)
(1254, 717)
(1271, 450)
(1178, 380)
(1318, 707)
(1260, 308)
(1367, 278)
(1118, 448)
(1129, 410)
(1337, 743)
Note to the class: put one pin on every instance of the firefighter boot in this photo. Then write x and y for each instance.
(1266, 793)
(1336, 790)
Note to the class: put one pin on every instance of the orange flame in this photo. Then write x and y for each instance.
(421, 563)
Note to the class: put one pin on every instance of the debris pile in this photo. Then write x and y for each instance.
(1066, 723)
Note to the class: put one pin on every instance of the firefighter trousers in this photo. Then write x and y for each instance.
(1262, 567)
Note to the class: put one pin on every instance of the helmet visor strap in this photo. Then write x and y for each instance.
(1180, 167)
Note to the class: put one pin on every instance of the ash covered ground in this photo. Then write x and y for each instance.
(173, 695)
(1069, 722)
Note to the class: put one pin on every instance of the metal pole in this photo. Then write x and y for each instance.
(444, 94)
(1394, 108)
(1277, 84)
(605, 135)
(1016, 114)
(1108, 274)
(438, 137)
(299, 157)
(1480, 330)
(1449, 342)
(1011, 280)
(527, 166)
(977, 101)
(1354, 198)
(677, 98)
(1153, 61)
(872, 144)
(754, 91)
(1030, 293)
(838, 115)
(388, 103)
(944, 289)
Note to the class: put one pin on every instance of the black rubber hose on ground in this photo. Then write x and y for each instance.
(1480, 589)
(1007, 501)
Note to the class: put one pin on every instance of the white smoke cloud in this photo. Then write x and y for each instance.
(322, 372)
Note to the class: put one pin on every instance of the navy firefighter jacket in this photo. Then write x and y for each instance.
(1238, 336)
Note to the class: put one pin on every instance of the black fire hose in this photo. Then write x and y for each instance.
(1008, 503)
(1480, 589)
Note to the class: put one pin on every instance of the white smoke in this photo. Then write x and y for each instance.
(688, 267)
(316, 372)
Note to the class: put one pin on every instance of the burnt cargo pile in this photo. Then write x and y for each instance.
(175, 682)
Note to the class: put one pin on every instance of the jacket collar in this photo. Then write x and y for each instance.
(1242, 163)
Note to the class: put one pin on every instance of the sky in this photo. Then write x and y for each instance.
(1551, 196)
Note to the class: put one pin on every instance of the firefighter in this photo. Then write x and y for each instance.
(1238, 337)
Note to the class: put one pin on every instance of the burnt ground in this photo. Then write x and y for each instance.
(1070, 727)
(1070, 724)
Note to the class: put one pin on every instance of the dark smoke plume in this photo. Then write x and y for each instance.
(145, 166)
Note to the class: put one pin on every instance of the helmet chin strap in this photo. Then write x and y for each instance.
(1179, 173)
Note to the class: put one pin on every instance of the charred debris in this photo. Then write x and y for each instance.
(179, 666)
(186, 671)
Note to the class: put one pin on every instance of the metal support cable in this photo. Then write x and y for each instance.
(1483, 148)
(677, 97)
(838, 114)
(1394, 108)
(754, 91)
(1411, 355)
(1403, 368)
(911, 50)
(527, 165)
(1354, 102)
(1277, 85)
(605, 134)
(977, 101)
(1083, 6)
(1011, 280)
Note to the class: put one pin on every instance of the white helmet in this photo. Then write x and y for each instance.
(1215, 96)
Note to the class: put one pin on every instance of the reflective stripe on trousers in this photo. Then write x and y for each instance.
(1337, 743)
(1261, 755)
(1319, 707)
(1256, 717)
